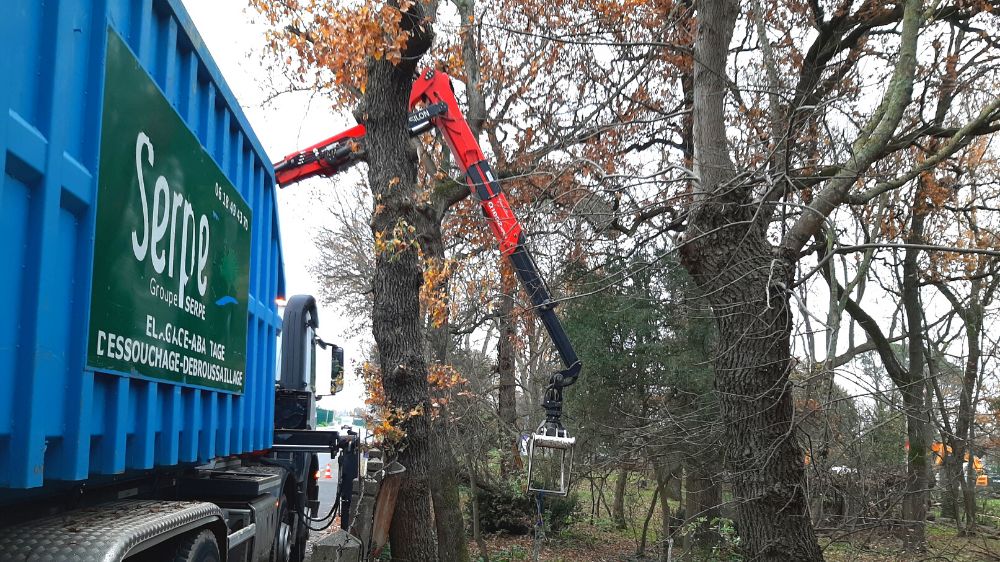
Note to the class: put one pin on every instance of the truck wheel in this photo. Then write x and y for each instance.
(197, 548)
(299, 551)
(281, 551)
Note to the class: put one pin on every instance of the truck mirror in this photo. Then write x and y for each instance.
(336, 370)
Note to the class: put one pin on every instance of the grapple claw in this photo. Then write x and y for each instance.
(550, 460)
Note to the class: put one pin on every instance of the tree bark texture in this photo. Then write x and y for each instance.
(952, 474)
(702, 500)
(915, 502)
(618, 506)
(396, 317)
(745, 281)
(640, 550)
(663, 477)
(913, 388)
(448, 520)
(972, 316)
(507, 402)
(967, 407)
(754, 324)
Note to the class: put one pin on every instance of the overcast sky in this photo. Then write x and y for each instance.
(285, 124)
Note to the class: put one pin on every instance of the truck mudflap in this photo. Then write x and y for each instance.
(109, 532)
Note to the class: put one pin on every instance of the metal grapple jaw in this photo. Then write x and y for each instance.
(550, 460)
(550, 452)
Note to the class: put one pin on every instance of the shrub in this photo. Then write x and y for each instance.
(505, 511)
(509, 509)
(559, 511)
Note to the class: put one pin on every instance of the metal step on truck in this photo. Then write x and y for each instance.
(148, 408)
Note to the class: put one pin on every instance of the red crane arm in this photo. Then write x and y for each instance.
(325, 158)
(434, 88)
(440, 110)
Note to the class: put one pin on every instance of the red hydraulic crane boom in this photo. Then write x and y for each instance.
(438, 108)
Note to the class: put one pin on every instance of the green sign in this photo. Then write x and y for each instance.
(171, 246)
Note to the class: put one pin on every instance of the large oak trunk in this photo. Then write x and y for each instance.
(396, 319)
(745, 282)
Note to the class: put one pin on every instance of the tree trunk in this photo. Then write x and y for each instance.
(914, 386)
(663, 477)
(972, 317)
(448, 520)
(915, 502)
(752, 366)
(727, 253)
(969, 495)
(618, 507)
(507, 403)
(601, 500)
(484, 553)
(910, 380)
(952, 473)
(640, 550)
(702, 500)
(396, 318)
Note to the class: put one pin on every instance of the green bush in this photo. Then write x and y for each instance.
(509, 509)
(716, 535)
(559, 511)
(504, 510)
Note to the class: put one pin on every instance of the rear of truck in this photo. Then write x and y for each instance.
(141, 266)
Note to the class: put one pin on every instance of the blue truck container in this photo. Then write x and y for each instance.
(121, 138)
(145, 412)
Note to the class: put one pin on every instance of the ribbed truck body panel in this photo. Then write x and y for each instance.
(139, 243)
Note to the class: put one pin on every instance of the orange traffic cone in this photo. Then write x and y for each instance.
(328, 474)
